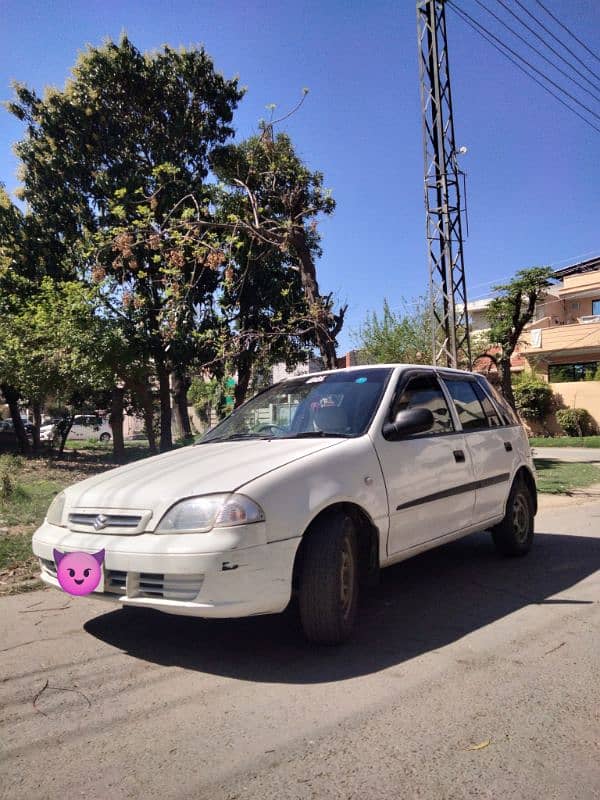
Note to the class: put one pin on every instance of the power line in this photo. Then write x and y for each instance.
(549, 46)
(482, 31)
(564, 27)
(536, 50)
(556, 39)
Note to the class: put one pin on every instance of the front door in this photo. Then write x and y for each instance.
(428, 475)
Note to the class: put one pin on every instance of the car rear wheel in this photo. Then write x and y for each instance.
(328, 594)
(105, 437)
(514, 535)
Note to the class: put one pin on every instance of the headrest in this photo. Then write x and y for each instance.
(331, 419)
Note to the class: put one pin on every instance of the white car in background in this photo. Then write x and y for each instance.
(306, 490)
(86, 427)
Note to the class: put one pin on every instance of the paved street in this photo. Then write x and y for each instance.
(456, 649)
(579, 454)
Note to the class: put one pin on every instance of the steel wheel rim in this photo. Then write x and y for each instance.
(520, 518)
(347, 574)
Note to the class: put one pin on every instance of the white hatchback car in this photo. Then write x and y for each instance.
(306, 490)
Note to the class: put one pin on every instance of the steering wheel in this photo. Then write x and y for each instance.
(271, 429)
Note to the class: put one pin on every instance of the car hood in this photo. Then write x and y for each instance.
(154, 484)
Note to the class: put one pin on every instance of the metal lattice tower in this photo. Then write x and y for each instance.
(448, 292)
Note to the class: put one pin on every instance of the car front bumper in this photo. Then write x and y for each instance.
(232, 572)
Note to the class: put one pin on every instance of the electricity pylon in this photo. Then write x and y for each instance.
(448, 292)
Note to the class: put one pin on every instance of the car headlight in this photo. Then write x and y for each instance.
(202, 514)
(55, 512)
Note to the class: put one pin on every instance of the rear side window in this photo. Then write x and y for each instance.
(424, 391)
(468, 407)
(509, 415)
(491, 412)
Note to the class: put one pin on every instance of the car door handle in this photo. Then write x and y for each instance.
(459, 456)
(507, 446)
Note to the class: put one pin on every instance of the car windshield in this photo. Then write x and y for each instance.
(339, 404)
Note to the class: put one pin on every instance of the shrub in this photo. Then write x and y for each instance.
(576, 421)
(533, 397)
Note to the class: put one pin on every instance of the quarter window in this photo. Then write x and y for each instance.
(468, 407)
(424, 391)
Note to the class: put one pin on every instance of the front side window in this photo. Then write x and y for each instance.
(468, 407)
(424, 391)
(338, 404)
(596, 307)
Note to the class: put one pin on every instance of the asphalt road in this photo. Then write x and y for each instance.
(579, 454)
(457, 648)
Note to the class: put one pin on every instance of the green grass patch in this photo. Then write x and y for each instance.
(15, 551)
(560, 477)
(565, 441)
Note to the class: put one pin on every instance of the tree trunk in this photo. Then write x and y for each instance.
(327, 325)
(164, 394)
(181, 384)
(116, 422)
(66, 426)
(506, 381)
(11, 395)
(244, 373)
(37, 424)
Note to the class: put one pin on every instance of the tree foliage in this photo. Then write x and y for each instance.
(508, 314)
(197, 253)
(534, 399)
(397, 336)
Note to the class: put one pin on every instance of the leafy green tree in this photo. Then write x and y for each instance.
(508, 314)
(129, 130)
(274, 202)
(397, 336)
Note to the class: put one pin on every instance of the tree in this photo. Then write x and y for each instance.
(128, 129)
(508, 314)
(397, 336)
(275, 201)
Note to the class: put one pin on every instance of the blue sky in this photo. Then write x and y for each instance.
(533, 167)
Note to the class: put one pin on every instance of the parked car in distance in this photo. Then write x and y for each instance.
(86, 427)
(306, 490)
(8, 437)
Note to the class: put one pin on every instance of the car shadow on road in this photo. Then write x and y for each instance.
(421, 605)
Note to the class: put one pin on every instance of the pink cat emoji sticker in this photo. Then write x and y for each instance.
(78, 573)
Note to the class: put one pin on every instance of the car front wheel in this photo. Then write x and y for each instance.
(329, 580)
(514, 535)
(105, 437)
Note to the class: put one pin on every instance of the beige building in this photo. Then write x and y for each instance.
(563, 343)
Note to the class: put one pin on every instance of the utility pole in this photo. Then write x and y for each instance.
(448, 292)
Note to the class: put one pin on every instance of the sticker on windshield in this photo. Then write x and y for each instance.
(316, 379)
(360, 380)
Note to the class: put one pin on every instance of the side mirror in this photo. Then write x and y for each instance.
(413, 420)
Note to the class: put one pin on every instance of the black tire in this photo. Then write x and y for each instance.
(105, 437)
(514, 535)
(328, 595)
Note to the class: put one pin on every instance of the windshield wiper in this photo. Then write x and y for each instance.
(235, 436)
(316, 435)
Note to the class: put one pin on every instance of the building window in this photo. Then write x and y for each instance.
(566, 373)
(596, 307)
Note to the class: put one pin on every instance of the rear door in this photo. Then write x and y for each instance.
(428, 475)
(489, 442)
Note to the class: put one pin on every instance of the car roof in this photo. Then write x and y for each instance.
(404, 366)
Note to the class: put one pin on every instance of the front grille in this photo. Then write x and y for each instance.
(115, 581)
(153, 585)
(110, 520)
(90, 520)
(48, 566)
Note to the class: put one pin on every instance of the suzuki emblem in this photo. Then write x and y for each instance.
(100, 522)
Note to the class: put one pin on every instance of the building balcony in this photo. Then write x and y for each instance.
(568, 340)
